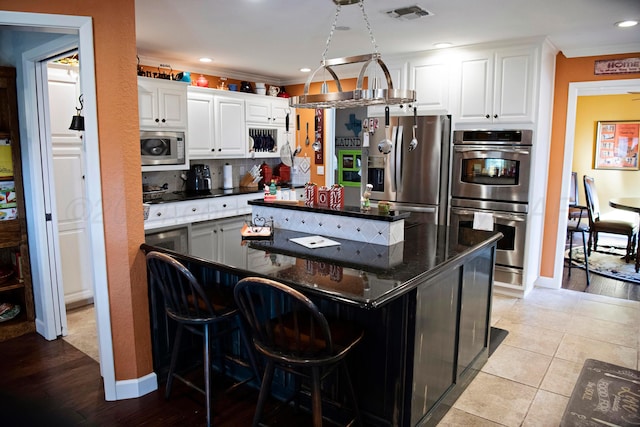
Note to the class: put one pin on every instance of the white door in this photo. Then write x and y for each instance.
(68, 175)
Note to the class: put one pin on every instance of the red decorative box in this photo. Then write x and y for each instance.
(310, 194)
(336, 197)
(323, 197)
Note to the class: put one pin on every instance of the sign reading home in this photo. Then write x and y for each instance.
(617, 66)
(604, 395)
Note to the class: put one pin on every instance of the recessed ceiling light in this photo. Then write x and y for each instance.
(206, 59)
(443, 45)
(305, 70)
(624, 24)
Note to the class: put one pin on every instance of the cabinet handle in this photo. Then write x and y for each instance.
(224, 206)
(495, 116)
(487, 116)
(157, 120)
(213, 149)
(159, 214)
(164, 121)
(219, 149)
(193, 209)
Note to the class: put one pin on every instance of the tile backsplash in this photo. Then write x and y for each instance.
(176, 182)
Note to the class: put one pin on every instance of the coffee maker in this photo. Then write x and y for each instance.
(199, 179)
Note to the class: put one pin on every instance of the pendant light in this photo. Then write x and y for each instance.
(77, 121)
(361, 96)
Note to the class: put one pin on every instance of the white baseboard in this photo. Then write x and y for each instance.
(130, 389)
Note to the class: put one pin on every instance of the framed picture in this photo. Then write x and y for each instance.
(617, 145)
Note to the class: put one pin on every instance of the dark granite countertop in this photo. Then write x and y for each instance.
(352, 211)
(356, 273)
(181, 196)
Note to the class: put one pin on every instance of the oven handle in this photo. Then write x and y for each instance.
(496, 215)
(484, 149)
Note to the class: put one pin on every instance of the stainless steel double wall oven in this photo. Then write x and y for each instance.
(491, 171)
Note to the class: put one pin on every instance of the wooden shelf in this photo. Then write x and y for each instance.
(11, 286)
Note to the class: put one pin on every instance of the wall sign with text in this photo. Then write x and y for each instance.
(617, 66)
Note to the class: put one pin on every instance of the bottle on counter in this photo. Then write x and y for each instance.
(272, 188)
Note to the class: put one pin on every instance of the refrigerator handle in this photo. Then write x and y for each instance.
(398, 158)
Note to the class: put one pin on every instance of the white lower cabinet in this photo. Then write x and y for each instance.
(219, 241)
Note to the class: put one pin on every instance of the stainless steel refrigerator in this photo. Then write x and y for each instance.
(413, 179)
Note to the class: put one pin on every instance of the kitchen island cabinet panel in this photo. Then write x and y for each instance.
(420, 315)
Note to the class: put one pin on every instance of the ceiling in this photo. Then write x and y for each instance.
(273, 39)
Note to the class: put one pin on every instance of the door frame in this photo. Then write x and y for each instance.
(82, 27)
(591, 88)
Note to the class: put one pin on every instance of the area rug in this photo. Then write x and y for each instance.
(604, 395)
(607, 261)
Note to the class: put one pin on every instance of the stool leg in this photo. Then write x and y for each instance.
(174, 360)
(207, 372)
(264, 392)
(352, 391)
(570, 252)
(586, 257)
(316, 399)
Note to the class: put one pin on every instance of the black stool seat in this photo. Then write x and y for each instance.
(289, 331)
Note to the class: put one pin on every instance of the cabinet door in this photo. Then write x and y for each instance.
(476, 89)
(147, 103)
(231, 251)
(513, 83)
(204, 240)
(201, 126)
(230, 137)
(279, 110)
(172, 107)
(258, 110)
(398, 73)
(429, 77)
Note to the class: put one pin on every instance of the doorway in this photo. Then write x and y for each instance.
(77, 34)
(608, 87)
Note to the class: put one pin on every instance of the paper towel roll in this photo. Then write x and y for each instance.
(227, 177)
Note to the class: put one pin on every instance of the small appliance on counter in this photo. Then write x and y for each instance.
(199, 179)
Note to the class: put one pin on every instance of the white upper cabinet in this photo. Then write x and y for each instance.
(270, 110)
(429, 77)
(398, 72)
(230, 137)
(497, 86)
(162, 104)
(216, 125)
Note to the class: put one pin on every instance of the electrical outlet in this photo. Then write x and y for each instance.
(320, 170)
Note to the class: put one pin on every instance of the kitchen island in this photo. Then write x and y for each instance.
(425, 305)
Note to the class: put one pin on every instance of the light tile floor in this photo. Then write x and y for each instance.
(528, 380)
(82, 332)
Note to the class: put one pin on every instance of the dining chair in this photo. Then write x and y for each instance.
(195, 309)
(617, 222)
(576, 210)
(290, 332)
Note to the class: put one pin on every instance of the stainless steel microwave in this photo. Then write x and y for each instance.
(162, 148)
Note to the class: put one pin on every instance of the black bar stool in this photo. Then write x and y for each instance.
(197, 311)
(291, 333)
(576, 226)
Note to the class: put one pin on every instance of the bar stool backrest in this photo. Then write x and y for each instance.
(184, 298)
(284, 323)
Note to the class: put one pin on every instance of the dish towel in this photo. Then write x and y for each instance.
(482, 221)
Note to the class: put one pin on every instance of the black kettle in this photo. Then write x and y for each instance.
(199, 179)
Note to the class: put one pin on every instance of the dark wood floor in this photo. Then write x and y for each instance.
(51, 383)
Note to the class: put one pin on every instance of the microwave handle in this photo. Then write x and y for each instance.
(496, 215)
(499, 150)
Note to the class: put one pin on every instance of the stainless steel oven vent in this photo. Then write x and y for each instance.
(361, 96)
(408, 12)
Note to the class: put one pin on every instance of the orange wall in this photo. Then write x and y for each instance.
(568, 70)
(117, 106)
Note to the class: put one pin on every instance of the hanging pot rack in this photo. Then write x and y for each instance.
(360, 96)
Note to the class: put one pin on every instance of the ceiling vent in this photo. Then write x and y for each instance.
(408, 13)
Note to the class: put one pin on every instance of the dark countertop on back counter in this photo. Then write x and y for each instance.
(182, 196)
(356, 273)
(352, 211)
